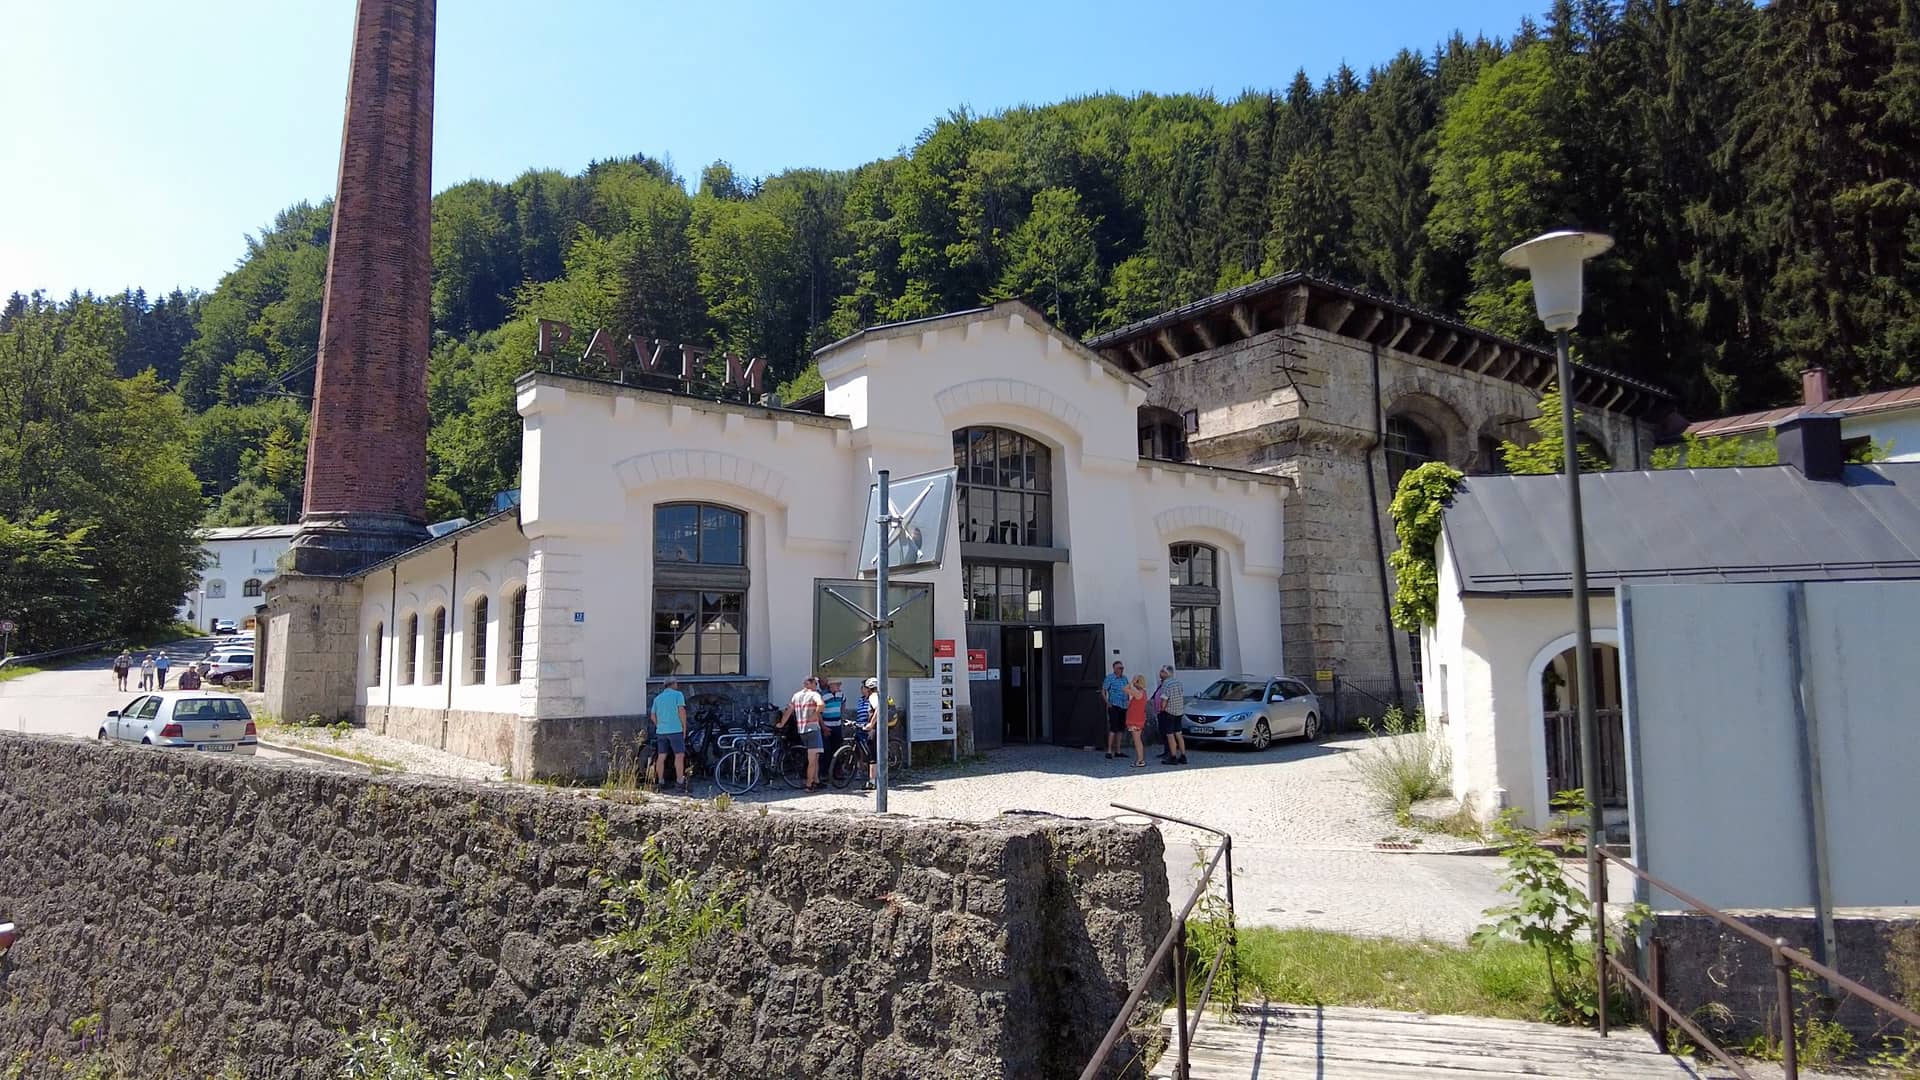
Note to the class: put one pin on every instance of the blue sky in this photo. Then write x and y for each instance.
(142, 141)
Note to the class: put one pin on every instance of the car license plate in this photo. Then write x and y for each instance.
(216, 747)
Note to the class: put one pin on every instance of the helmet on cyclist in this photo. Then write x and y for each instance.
(870, 684)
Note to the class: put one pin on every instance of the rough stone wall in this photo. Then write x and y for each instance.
(1703, 964)
(1299, 402)
(239, 913)
(312, 653)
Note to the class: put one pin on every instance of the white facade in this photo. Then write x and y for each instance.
(1483, 658)
(599, 460)
(240, 560)
(1896, 429)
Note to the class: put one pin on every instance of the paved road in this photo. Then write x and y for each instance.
(73, 700)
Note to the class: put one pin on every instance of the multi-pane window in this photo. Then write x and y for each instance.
(1006, 484)
(699, 590)
(1193, 576)
(410, 663)
(477, 651)
(379, 654)
(518, 649)
(437, 663)
(1408, 444)
(1007, 593)
(251, 588)
(216, 589)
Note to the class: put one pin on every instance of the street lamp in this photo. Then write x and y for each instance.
(1555, 261)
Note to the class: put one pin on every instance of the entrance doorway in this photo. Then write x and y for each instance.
(1075, 669)
(1022, 692)
(1560, 705)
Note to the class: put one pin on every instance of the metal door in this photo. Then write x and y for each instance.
(1076, 662)
(984, 694)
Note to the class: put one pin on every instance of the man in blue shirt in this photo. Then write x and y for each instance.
(161, 664)
(1114, 689)
(670, 728)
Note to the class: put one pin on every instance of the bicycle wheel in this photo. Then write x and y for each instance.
(845, 765)
(793, 766)
(737, 772)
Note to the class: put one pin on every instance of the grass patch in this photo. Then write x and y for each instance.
(311, 738)
(19, 671)
(1315, 967)
(1403, 764)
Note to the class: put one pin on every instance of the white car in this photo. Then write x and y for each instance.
(199, 720)
(227, 664)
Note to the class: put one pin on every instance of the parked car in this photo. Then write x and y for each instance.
(225, 626)
(226, 665)
(1249, 710)
(201, 720)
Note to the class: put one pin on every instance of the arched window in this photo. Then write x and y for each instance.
(1409, 443)
(700, 584)
(1006, 485)
(410, 663)
(253, 587)
(379, 642)
(517, 650)
(216, 589)
(1193, 573)
(437, 662)
(1560, 706)
(477, 647)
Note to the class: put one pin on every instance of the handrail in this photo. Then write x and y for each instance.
(55, 654)
(1175, 941)
(1784, 957)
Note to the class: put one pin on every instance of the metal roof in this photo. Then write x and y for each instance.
(249, 532)
(1508, 534)
(1905, 397)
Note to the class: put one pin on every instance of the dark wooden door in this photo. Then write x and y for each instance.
(1076, 662)
(984, 694)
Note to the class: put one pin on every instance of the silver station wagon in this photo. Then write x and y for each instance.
(197, 720)
(1251, 710)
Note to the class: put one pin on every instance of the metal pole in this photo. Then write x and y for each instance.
(1812, 787)
(880, 626)
(1783, 983)
(1583, 668)
(1180, 993)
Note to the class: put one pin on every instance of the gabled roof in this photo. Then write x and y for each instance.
(1905, 397)
(1001, 310)
(1296, 298)
(1508, 534)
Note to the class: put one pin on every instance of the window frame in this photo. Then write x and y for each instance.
(711, 590)
(437, 663)
(477, 613)
(1189, 602)
(410, 671)
(1025, 491)
(1401, 457)
(517, 650)
(253, 587)
(379, 653)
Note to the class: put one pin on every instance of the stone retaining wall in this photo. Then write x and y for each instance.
(240, 914)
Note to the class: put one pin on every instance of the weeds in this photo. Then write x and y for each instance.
(1407, 765)
(1817, 1040)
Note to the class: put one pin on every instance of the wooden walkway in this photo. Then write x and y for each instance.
(1284, 1042)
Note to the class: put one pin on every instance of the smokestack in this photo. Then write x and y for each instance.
(1811, 443)
(1813, 386)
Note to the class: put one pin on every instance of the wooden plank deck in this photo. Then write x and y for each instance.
(1284, 1042)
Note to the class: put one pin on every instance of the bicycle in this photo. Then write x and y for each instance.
(855, 755)
(752, 754)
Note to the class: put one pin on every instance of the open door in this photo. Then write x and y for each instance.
(1076, 662)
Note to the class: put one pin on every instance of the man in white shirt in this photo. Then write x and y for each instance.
(804, 710)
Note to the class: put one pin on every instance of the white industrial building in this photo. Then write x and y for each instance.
(239, 562)
(662, 531)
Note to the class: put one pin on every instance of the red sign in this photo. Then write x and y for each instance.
(976, 659)
(942, 648)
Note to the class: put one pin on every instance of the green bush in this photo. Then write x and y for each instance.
(1404, 763)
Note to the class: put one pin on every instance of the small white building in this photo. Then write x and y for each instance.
(239, 562)
(1499, 657)
(1890, 418)
(667, 532)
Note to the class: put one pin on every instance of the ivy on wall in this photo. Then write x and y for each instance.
(1417, 507)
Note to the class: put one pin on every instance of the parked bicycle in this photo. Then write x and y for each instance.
(856, 753)
(753, 755)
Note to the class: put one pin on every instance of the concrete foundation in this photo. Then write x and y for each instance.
(482, 736)
(311, 647)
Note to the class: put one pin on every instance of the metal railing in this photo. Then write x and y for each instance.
(1175, 944)
(1785, 959)
(55, 654)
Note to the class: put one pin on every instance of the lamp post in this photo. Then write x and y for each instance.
(1555, 261)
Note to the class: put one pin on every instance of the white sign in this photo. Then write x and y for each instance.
(992, 674)
(1070, 658)
(925, 718)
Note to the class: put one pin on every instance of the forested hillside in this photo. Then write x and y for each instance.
(1757, 166)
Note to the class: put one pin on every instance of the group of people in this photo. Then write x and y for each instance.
(816, 713)
(1130, 704)
(154, 668)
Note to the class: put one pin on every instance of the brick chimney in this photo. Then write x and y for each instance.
(1813, 386)
(367, 451)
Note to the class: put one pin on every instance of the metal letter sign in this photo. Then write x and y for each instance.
(920, 506)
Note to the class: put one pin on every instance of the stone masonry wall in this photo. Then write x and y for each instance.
(236, 914)
(1300, 402)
